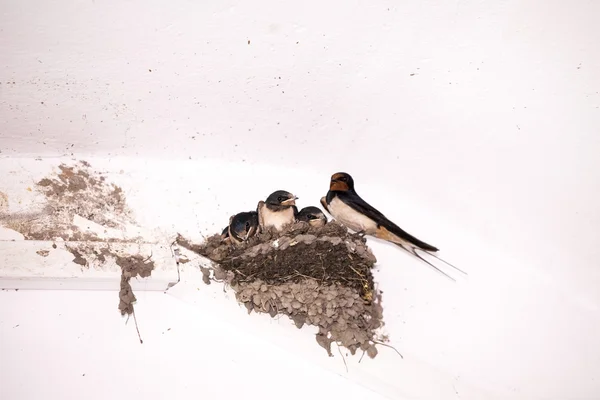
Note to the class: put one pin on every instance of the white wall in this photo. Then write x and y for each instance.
(478, 120)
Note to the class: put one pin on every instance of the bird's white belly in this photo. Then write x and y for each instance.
(347, 216)
(278, 219)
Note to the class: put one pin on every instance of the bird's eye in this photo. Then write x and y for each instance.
(280, 199)
(310, 216)
(247, 226)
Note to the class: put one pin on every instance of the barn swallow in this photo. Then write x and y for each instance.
(277, 211)
(313, 215)
(242, 226)
(348, 208)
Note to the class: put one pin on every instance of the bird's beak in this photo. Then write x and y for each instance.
(250, 233)
(291, 201)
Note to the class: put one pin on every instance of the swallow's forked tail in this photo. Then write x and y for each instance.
(413, 251)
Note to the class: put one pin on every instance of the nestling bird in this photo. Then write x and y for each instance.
(225, 233)
(348, 208)
(242, 226)
(277, 211)
(313, 215)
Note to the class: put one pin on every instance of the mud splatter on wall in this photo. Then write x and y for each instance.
(80, 206)
(75, 191)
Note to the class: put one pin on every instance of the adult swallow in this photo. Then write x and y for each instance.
(347, 207)
(313, 215)
(242, 226)
(277, 211)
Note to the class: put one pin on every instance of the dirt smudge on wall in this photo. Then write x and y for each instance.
(90, 214)
(43, 253)
(74, 190)
(3, 202)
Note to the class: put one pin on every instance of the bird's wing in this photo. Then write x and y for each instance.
(261, 221)
(324, 203)
(353, 200)
(254, 216)
(357, 203)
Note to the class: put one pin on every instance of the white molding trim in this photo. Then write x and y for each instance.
(47, 265)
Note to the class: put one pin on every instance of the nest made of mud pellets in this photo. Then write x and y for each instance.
(316, 276)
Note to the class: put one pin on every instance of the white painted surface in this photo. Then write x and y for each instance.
(93, 355)
(490, 152)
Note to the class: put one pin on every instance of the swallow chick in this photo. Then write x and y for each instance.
(313, 215)
(348, 208)
(242, 226)
(277, 211)
(225, 233)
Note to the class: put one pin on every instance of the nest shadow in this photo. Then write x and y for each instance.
(316, 276)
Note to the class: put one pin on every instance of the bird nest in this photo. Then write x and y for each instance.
(320, 276)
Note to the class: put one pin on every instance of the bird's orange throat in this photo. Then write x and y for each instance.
(339, 186)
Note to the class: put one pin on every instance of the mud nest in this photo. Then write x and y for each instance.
(316, 276)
